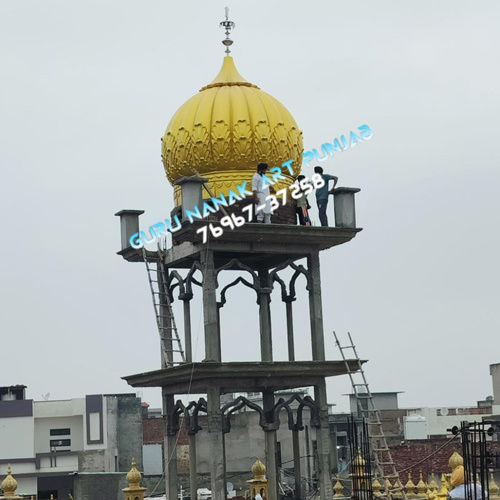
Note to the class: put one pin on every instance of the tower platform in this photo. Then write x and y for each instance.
(244, 376)
(266, 245)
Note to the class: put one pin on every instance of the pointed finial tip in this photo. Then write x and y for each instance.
(228, 26)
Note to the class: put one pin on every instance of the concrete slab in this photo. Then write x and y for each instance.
(247, 376)
(264, 244)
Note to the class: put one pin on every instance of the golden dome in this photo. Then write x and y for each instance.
(259, 470)
(226, 130)
(359, 460)
(9, 484)
(134, 476)
(455, 460)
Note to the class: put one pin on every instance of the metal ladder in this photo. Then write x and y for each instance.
(368, 410)
(165, 322)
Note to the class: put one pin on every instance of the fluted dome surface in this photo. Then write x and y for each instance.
(226, 129)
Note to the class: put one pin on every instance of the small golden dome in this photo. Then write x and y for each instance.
(359, 460)
(259, 470)
(421, 486)
(226, 130)
(455, 460)
(134, 476)
(9, 484)
(410, 485)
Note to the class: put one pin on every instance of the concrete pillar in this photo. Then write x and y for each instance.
(187, 329)
(308, 459)
(129, 225)
(334, 454)
(170, 449)
(191, 193)
(271, 446)
(218, 333)
(343, 201)
(315, 308)
(193, 470)
(323, 443)
(296, 464)
(212, 339)
(215, 445)
(289, 330)
(266, 342)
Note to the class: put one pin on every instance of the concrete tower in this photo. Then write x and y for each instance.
(222, 133)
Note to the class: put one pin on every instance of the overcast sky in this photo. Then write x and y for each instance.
(87, 90)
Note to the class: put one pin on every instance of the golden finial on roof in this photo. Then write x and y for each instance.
(410, 485)
(338, 488)
(397, 489)
(359, 460)
(134, 476)
(443, 492)
(376, 486)
(9, 484)
(134, 490)
(455, 460)
(228, 26)
(433, 485)
(259, 471)
(421, 487)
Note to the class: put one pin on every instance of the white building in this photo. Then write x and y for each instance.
(46, 442)
(425, 423)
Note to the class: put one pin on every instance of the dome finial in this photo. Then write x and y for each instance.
(228, 25)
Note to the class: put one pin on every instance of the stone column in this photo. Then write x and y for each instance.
(308, 459)
(170, 448)
(270, 435)
(218, 333)
(323, 443)
(266, 342)
(212, 339)
(289, 329)
(296, 464)
(315, 308)
(186, 301)
(334, 454)
(215, 445)
(193, 470)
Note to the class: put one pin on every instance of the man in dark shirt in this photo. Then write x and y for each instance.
(322, 194)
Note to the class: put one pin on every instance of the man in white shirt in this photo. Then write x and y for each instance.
(260, 190)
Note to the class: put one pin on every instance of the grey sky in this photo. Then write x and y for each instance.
(87, 90)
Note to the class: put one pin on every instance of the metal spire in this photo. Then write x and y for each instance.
(228, 26)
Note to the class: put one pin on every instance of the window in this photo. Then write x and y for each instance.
(60, 432)
(60, 442)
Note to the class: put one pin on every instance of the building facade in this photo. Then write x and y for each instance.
(48, 443)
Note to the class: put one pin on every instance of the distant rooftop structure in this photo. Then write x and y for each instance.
(382, 401)
(12, 392)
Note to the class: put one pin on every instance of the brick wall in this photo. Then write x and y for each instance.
(153, 432)
(411, 452)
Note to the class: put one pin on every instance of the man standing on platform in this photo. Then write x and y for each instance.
(261, 192)
(322, 194)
